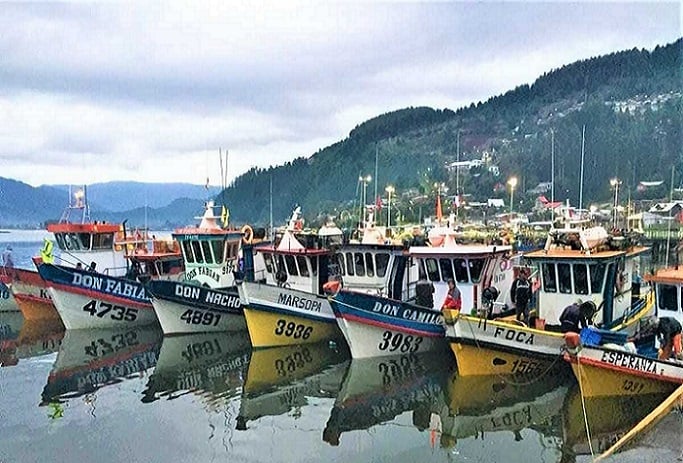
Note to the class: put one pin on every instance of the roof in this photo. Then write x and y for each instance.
(673, 275)
(464, 250)
(566, 254)
(91, 227)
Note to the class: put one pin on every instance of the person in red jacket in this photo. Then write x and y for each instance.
(453, 298)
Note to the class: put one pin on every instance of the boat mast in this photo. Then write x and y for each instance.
(668, 228)
(583, 152)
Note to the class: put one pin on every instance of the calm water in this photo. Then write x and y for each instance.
(133, 395)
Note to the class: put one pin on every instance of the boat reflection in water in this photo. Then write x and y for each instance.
(283, 379)
(209, 365)
(92, 359)
(377, 390)
(487, 415)
(607, 419)
(34, 338)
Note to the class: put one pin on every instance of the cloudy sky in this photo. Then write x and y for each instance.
(93, 92)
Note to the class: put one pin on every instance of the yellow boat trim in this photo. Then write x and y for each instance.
(269, 329)
(478, 360)
(675, 399)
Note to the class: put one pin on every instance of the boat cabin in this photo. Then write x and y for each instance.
(474, 268)
(296, 259)
(668, 287)
(211, 254)
(585, 264)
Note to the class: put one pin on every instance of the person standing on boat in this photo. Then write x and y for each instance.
(8, 262)
(46, 252)
(453, 298)
(576, 316)
(669, 333)
(520, 294)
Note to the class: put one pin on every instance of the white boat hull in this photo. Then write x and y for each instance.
(179, 318)
(80, 311)
(367, 341)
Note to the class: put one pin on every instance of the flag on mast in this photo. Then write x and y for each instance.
(439, 213)
(225, 216)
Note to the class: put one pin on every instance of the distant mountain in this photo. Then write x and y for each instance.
(24, 206)
(124, 196)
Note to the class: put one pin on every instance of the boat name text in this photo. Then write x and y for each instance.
(408, 313)
(621, 359)
(108, 285)
(513, 335)
(299, 302)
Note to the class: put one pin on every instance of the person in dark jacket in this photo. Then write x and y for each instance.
(520, 294)
(576, 316)
(669, 333)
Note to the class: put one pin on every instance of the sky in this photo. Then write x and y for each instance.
(150, 91)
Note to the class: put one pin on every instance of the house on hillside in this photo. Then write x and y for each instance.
(668, 209)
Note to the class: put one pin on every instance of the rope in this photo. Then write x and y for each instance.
(583, 408)
(507, 377)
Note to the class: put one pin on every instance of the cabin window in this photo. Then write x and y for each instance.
(197, 250)
(580, 278)
(340, 263)
(476, 267)
(71, 242)
(291, 265)
(103, 241)
(280, 264)
(60, 241)
(218, 247)
(446, 268)
(349, 263)
(84, 240)
(549, 281)
(597, 277)
(382, 262)
(303, 266)
(314, 265)
(667, 297)
(460, 267)
(206, 251)
(564, 278)
(187, 252)
(268, 260)
(422, 273)
(360, 264)
(370, 264)
(432, 269)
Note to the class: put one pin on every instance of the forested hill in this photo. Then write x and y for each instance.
(629, 103)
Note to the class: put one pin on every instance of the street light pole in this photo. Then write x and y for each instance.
(615, 184)
(389, 189)
(513, 183)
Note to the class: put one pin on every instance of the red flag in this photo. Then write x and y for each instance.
(378, 203)
(439, 213)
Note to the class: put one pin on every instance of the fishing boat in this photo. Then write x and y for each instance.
(408, 318)
(285, 304)
(377, 390)
(577, 262)
(209, 366)
(285, 378)
(86, 298)
(608, 364)
(7, 302)
(81, 241)
(206, 300)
